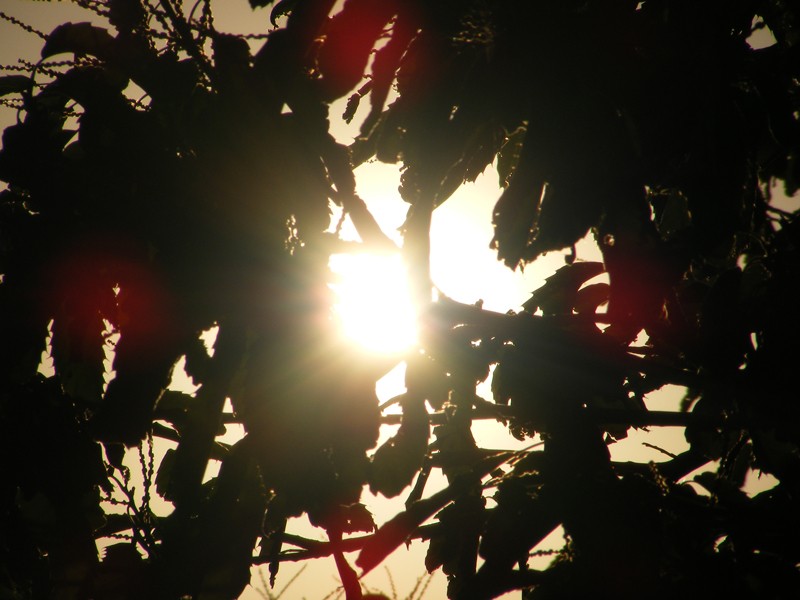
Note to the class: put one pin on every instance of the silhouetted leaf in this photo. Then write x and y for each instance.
(400, 457)
(517, 210)
(478, 152)
(508, 157)
(14, 84)
(122, 573)
(384, 67)
(559, 293)
(456, 539)
(521, 519)
(78, 38)
(358, 518)
(126, 15)
(350, 36)
(164, 475)
(589, 298)
(395, 531)
(673, 215)
(281, 9)
(566, 214)
(231, 57)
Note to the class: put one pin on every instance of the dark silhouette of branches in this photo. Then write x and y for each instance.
(164, 178)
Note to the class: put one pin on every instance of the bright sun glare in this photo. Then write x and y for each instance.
(373, 304)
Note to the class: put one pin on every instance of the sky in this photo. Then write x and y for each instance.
(462, 265)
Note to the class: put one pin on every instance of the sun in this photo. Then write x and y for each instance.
(373, 305)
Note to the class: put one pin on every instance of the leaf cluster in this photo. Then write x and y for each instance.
(169, 178)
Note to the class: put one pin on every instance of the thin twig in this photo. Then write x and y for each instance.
(184, 32)
(654, 447)
(22, 25)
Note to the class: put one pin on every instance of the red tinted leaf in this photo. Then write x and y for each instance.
(349, 38)
(385, 65)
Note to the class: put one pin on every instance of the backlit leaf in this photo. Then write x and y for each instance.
(399, 458)
(559, 293)
(78, 38)
(508, 157)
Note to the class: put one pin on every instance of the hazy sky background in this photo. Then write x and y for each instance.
(463, 267)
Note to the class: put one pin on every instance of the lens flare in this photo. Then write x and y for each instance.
(373, 304)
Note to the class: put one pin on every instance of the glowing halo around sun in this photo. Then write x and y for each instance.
(372, 302)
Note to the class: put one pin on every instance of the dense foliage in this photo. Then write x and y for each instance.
(165, 178)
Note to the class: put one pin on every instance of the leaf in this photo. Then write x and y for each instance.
(77, 343)
(456, 538)
(724, 335)
(31, 148)
(121, 555)
(164, 475)
(429, 379)
(395, 531)
(478, 152)
(14, 84)
(566, 214)
(508, 157)
(385, 65)
(779, 457)
(340, 171)
(126, 15)
(522, 519)
(349, 38)
(352, 106)
(150, 343)
(174, 407)
(516, 212)
(589, 298)
(281, 9)
(198, 362)
(726, 491)
(126, 411)
(674, 216)
(389, 137)
(121, 574)
(231, 57)
(115, 453)
(357, 518)
(78, 38)
(399, 458)
(559, 293)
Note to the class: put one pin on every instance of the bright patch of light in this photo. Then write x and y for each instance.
(373, 303)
